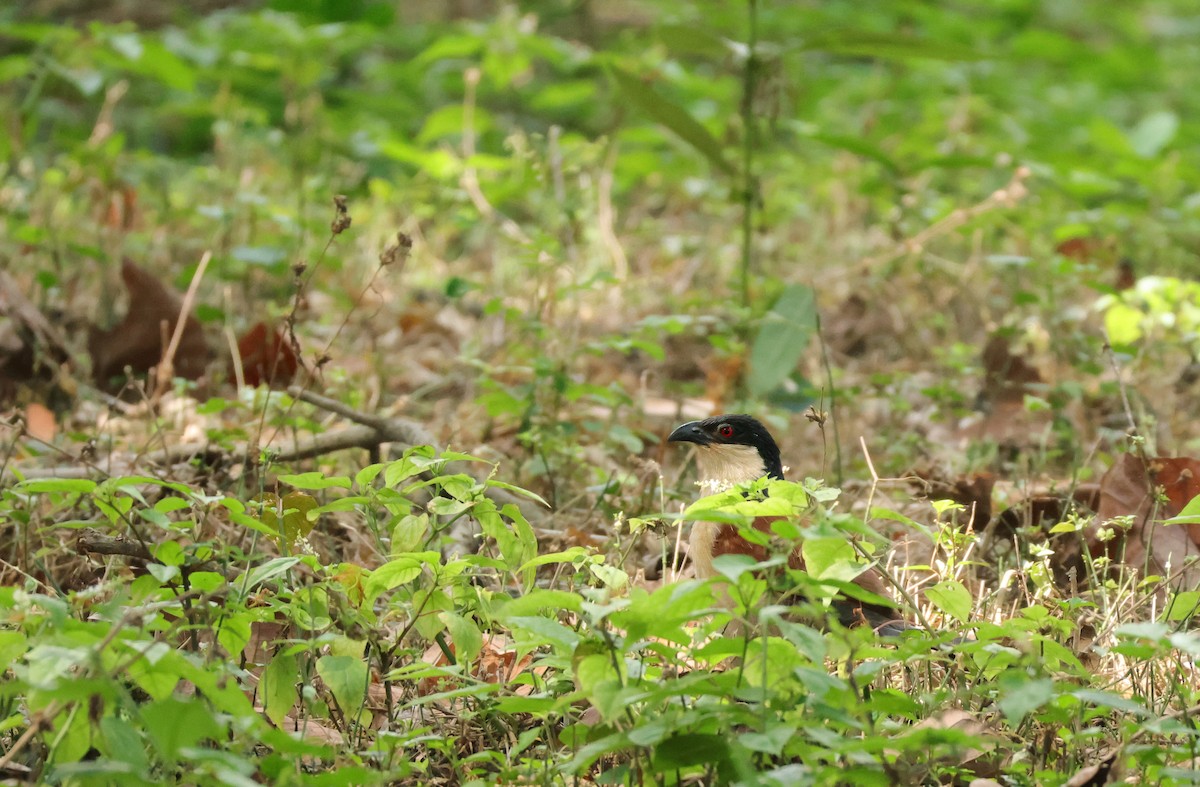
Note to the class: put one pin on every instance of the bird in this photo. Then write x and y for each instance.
(737, 449)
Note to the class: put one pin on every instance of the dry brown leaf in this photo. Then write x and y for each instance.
(40, 422)
(859, 326)
(1130, 489)
(138, 341)
(1007, 377)
(266, 357)
(31, 347)
(496, 663)
(972, 491)
(1038, 514)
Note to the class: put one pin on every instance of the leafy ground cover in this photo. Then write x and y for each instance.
(425, 288)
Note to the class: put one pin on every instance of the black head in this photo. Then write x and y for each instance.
(733, 430)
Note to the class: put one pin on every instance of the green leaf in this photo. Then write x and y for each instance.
(398, 571)
(571, 555)
(770, 742)
(346, 677)
(268, 570)
(1154, 133)
(782, 338)
(952, 598)
(890, 46)
(1123, 324)
(42, 485)
(692, 40)
(121, 742)
(1184, 605)
(409, 533)
(13, 645)
(465, 634)
(278, 686)
(732, 566)
(315, 480)
(831, 558)
(1024, 696)
(175, 724)
(1189, 514)
(673, 116)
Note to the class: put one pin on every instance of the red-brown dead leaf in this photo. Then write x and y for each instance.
(858, 326)
(138, 341)
(972, 491)
(1037, 514)
(1007, 376)
(1126, 275)
(267, 357)
(1130, 488)
(1008, 379)
(40, 422)
(1084, 248)
(496, 663)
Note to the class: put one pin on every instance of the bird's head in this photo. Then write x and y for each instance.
(730, 450)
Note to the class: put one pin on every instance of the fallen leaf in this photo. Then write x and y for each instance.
(1007, 376)
(138, 341)
(859, 326)
(1130, 489)
(972, 491)
(1033, 518)
(266, 357)
(40, 422)
(31, 347)
(1085, 248)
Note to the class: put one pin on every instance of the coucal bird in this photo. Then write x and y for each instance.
(737, 449)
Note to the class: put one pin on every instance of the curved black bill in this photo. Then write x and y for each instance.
(690, 433)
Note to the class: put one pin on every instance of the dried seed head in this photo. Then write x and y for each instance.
(396, 252)
(341, 218)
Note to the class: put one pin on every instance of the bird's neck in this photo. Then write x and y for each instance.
(725, 466)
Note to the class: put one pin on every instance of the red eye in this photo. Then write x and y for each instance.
(725, 430)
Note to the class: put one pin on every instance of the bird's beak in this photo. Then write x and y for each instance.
(690, 433)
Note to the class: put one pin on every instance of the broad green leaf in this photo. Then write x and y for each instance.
(1123, 324)
(346, 677)
(315, 480)
(831, 558)
(571, 555)
(1189, 514)
(1184, 605)
(13, 645)
(174, 724)
(235, 631)
(673, 116)
(43, 485)
(398, 571)
(465, 634)
(951, 597)
(268, 570)
(409, 533)
(121, 743)
(732, 566)
(1023, 695)
(692, 40)
(278, 686)
(890, 46)
(782, 338)
(541, 599)
(1154, 133)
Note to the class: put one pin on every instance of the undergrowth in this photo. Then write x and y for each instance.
(596, 222)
